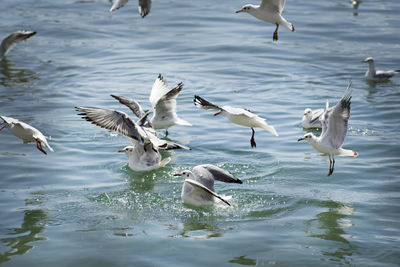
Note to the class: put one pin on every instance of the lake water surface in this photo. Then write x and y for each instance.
(82, 206)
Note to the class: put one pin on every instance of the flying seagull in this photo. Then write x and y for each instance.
(26, 132)
(269, 11)
(334, 128)
(238, 116)
(163, 102)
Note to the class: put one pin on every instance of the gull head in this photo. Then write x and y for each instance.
(128, 150)
(368, 60)
(184, 174)
(308, 113)
(246, 8)
(307, 137)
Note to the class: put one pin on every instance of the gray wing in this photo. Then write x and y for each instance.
(338, 117)
(204, 104)
(118, 4)
(272, 5)
(112, 120)
(10, 41)
(218, 173)
(201, 187)
(131, 104)
(165, 109)
(144, 7)
(316, 115)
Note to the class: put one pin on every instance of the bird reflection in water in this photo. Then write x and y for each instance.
(329, 225)
(19, 242)
(10, 75)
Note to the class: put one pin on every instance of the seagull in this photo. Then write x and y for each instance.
(311, 118)
(163, 101)
(377, 75)
(144, 155)
(334, 129)
(10, 41)
(238, 116)
(26, 132)
(269, 11)
(144, 6)
(198, 187)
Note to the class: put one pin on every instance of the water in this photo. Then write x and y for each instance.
(82, 206)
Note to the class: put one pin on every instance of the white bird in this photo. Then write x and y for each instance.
(163, 101)
(26, 132)
(198, 187)
(311, 118)
(144, 154)
(143, 157)
(377, 75)
(334, 128)
(269, 11)
(11, 40)
(238, 116)
(144, 6)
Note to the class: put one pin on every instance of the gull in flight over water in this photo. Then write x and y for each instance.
(26, 132)
(144, 153)
(10, 41)
(163, 102)
(198, 187)
(238, 116)
(269, 11)
(144, 6)
(377, 75)
(334, 129)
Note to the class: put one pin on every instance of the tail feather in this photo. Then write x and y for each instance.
(347, 153)
(270, 129)
(165, 162)
(183, 122)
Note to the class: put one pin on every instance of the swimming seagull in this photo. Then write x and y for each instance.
(377, 75)
(238, 116)
(163, 101)
(26, 132)
(311, 118)
(198, 187)
(144, 155)
(334, 128)
(10, 41)
(144, 6)
(269, 11)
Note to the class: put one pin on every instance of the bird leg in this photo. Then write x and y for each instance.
(166, 132)
(330, 166)
(252, 141)
(39, 146)
(275, 37)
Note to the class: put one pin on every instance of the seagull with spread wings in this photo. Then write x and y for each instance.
(334, 129)
(144, 155)
(198, 187)
(26, 132)
(163, 102)
(238, 116)
(269, 11)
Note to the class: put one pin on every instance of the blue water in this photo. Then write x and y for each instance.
(81, 205)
